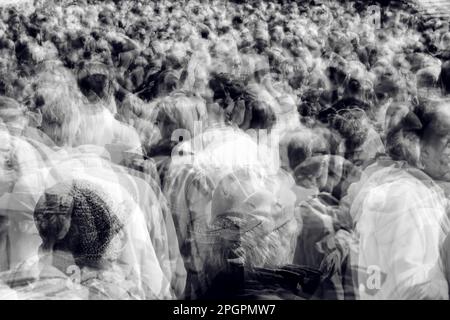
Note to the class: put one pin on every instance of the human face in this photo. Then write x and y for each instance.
(8, 172)
(312, 173)
(165, 125)
(435, 154)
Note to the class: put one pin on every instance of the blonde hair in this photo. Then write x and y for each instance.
(182, 110)
(61, 109)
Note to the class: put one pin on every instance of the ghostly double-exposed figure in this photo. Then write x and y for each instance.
(240, 150)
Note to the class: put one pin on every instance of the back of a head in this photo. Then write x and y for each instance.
(402, 125)
(180, 111)
(77, 218)
(94, 81)
(61, 115)
(298, 146)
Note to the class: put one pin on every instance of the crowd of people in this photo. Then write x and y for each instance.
(203, 149)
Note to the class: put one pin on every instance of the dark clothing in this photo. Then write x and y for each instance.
(287, 282)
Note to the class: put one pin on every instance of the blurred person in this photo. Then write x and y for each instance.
(399, 211)
(89, 250)
(250, 242)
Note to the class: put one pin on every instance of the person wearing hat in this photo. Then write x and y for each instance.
(92, 247)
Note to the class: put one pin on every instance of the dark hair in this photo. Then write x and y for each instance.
(349, 123)
(354, 86)
(95, 83)
(413, 122)
(336, 75)
(386, 87)
(297, 152)
(237, 20)
(204, 33)
(223, 86)
(263, 116)
(163, 80)
(444, 77)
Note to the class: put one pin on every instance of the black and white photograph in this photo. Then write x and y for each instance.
(207, 150)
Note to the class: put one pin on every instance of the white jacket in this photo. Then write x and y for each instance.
(401, 222)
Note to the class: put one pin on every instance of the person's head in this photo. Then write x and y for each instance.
(8, 164)
(299, 151)
(445, 41)
(309, 106)
(252, 225)
(426, 81)
(402, 140)
(225, 89)
(59, 101)
(178, 111)
(435, 140)
(297, 75)
(352, 124)
(336, 75)
(12, 115)
(444, 78)
(168, 81)
(386, 88)
(277, 34)
(237, 22)
(357, 83)
(95, 82)
(77, 218)
(262, 116)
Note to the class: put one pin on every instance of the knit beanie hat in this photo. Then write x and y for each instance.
(79, 218)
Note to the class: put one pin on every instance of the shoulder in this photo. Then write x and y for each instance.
(396, 190)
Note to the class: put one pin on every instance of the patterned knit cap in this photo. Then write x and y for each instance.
(78, 217)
